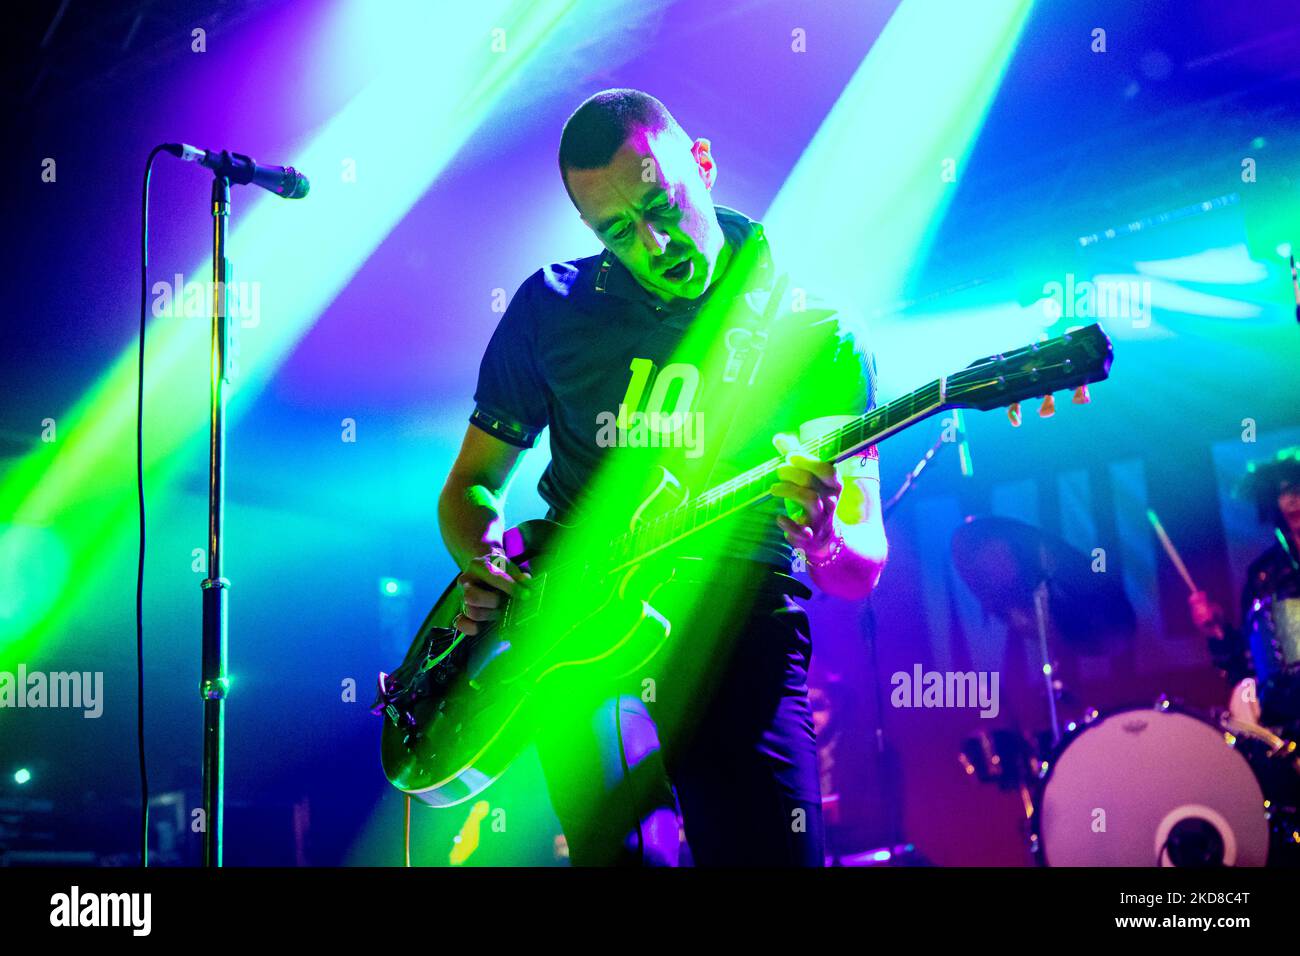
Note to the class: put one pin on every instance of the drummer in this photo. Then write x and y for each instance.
(1274, 486)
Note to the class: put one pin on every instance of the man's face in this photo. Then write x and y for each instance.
(651, 208)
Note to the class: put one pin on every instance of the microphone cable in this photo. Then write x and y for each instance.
(139, 484)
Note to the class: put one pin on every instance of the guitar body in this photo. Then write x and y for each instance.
(460, 708)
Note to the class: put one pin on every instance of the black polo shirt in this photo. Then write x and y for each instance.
(581, 338)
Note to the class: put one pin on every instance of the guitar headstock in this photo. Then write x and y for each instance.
(1067, 362)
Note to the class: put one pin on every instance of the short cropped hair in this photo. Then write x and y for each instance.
(604, 121)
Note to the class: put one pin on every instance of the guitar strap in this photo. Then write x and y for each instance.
(735, 384)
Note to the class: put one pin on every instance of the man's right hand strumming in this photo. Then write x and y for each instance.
(488, 582)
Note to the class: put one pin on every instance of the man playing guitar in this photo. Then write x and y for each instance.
(725, 733)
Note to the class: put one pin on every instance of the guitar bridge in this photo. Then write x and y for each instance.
(416, 679)
(395, 701)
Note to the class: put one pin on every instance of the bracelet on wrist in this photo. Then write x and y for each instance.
(836, 548)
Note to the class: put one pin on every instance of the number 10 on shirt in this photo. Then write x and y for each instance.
(661, 385)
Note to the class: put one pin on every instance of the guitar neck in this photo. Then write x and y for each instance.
(750, 487)
(1069, 361)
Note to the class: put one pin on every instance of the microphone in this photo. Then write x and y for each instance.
(285, 181)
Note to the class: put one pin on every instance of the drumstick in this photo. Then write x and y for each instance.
(1171, 551)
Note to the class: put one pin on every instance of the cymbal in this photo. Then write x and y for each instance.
(1003, 561)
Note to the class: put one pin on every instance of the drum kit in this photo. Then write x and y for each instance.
(1153, 785)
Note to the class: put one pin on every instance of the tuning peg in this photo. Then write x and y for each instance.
(1013, 414)
(1048, 408)
(1081, 396)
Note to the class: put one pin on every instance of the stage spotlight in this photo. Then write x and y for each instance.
(22, 776)
(392, 587)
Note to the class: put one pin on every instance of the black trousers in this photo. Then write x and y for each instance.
(719, 726)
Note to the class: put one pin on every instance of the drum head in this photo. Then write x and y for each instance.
(1141, 786)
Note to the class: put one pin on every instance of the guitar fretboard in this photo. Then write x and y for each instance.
(750, 487)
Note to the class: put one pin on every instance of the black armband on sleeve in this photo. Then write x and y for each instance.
(512, 433)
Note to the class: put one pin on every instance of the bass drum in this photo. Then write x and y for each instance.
(1150, 787)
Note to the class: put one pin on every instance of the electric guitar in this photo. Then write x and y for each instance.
(460, 708)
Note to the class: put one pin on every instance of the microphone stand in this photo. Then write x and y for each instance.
(1041, 597)
(912, 475)
(885, 772)
(215, 683)
(227, 168)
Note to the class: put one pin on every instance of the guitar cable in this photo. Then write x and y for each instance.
(627, 783)
(407, 856)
